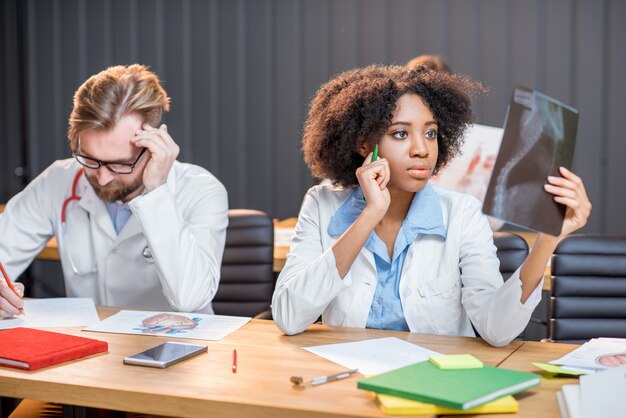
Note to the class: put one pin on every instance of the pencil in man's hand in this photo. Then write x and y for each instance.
(8, 282)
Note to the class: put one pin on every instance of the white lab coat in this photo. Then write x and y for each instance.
(444, 283)
(181, 223)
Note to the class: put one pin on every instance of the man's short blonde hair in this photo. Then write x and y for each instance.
(118, 91)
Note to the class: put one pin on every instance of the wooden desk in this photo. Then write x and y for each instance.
(283, 232)
(51, 252)
(266, 359)
(539, 402)
(280, 257)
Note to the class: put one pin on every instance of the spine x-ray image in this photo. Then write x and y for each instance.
(539, 137)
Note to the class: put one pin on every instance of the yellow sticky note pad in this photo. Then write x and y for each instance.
(456, 361)
(553, 368)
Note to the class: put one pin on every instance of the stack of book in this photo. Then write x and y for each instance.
(425, 388)
(602, 394)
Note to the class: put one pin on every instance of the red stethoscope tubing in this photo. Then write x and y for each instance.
(74, 196)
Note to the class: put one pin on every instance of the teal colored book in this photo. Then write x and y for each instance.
(459, 389)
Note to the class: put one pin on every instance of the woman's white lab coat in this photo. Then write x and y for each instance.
(167, 256)
(444, 283)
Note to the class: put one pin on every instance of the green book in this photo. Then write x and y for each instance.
(459, 389)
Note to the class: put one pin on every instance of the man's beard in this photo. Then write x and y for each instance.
(115, 190)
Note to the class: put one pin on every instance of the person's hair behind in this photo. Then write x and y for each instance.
(106, 97)
(358, 106)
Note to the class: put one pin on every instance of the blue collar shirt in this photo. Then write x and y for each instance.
(119, 213)
(424, 217)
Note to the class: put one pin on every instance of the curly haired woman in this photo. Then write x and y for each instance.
(379, 247)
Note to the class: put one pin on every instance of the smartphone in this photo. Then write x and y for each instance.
(166, 354)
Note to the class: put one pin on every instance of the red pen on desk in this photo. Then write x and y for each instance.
(234, 361)
(8, 282)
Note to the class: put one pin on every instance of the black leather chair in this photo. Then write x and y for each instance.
(247, 276)
(588, 288)
(512, 251)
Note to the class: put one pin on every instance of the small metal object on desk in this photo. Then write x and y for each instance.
(299, 381)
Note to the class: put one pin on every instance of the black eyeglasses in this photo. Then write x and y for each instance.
(114, 167)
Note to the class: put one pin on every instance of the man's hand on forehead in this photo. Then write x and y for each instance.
(163, 152)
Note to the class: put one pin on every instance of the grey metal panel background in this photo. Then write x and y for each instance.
(241, 73)
(11, 128)
(614, 156)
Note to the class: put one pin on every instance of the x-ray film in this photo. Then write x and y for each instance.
(539, 137)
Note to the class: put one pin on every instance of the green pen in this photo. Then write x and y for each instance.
(374, 157)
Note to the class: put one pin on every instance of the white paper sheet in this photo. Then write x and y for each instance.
(283, 236)
(596, 354)
(373, 356)
(54, 312)
(170, 324)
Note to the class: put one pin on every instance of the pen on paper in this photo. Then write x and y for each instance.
(298, 381)
(8, 282)
(234, 368)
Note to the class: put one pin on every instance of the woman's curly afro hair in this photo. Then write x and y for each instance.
(358, 105)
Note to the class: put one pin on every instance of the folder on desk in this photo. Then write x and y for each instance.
(457, 389)
(32, 349)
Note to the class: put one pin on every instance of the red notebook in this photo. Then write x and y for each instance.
(32, 349)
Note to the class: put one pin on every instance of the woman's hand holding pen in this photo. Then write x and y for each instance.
(569, 190)
(163, 153)
(10, 302)
(373, 178)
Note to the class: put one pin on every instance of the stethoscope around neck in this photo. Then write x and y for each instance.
(146, 253)
(73, 196)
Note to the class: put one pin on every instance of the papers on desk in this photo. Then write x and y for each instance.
(602, 390)
(373, 356)
(171, 324)
(596, 354)
(602, 394)
(568, 399)
(54, 312)
(283, 236)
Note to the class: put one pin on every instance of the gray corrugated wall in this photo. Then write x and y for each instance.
(240, 74)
